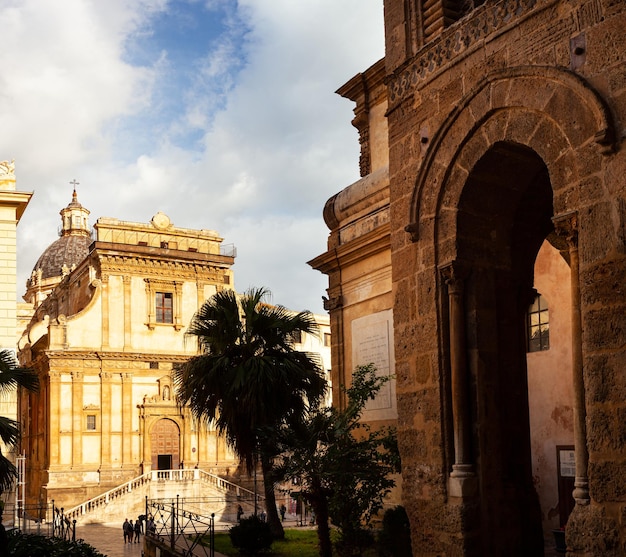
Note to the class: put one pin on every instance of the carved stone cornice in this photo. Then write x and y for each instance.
(457, 40)
(139, 358)
(126, 266)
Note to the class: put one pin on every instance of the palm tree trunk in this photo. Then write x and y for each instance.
(319, 503)
(276, 527)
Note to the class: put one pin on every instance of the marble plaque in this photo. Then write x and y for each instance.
(372, 343)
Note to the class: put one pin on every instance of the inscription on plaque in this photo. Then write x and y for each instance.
(371, 345)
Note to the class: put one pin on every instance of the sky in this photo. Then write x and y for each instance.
(221, 114)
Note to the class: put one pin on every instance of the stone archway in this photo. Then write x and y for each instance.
(500, 171)
(504, 214)
(165, 442)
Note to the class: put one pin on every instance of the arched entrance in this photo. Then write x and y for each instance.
(504, 215)
(165, 442)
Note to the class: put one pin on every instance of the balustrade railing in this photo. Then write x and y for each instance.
(122, 490)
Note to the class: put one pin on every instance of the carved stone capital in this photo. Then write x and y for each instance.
(566, 226)
(454, 275)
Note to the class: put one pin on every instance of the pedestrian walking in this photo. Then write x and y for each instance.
(128, 531)
(137, 530)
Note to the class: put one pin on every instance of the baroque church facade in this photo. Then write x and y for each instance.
(107, 325)
(104, 324)
(481, 259)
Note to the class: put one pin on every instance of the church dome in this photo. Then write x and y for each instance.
(66, 252)
(71, 248)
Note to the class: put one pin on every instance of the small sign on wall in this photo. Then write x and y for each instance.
(567, 463)
(566, 472)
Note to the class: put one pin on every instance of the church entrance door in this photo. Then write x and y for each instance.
(165, 445)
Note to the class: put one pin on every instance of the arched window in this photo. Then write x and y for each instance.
(538, 325)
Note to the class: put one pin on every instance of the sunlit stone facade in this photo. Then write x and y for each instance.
(504, 180)
(109, 323)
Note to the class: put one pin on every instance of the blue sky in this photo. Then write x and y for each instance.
(221, 114)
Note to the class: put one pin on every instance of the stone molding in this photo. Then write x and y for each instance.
(119, 264)
(486, 100)
(455, 41)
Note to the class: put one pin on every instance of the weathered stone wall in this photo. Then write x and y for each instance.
(532, 85)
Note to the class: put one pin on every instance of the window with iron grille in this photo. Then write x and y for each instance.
(538, 325)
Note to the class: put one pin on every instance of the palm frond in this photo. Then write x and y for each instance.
(8, 473)
(13, 376)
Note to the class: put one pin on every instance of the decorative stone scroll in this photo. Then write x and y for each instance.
(7, 169)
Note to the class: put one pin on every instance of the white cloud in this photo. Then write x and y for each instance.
(248, 139)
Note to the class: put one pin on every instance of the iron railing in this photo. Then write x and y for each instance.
(42, 519)
(171, 524)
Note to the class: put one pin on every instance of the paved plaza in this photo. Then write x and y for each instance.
(109, 540)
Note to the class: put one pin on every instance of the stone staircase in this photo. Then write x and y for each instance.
(197, 489)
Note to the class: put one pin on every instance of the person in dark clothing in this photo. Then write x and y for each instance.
(141, 519)
(137, 530)
(128, 531)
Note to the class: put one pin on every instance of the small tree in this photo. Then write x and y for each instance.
(344, 466)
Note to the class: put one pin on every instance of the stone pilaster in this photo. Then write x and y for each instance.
(55, 416)
(77, 418)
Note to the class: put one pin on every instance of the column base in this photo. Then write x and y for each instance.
(462, 485)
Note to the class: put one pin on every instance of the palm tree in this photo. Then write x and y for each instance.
(11, 377)
(249, 378)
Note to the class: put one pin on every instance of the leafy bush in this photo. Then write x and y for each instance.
(32, 545)
(354, 541)
(251, 536)
(394, 539)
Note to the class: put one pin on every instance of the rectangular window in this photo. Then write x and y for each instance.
(163, 307)
(91, 422)
(297, 337)
(326, 339)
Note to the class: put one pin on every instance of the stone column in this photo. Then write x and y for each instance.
(463, 479)
(567, 226)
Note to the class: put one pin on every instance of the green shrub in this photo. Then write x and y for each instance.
(394, 540)
(251, 536)
(32, 545)
(354, 542)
